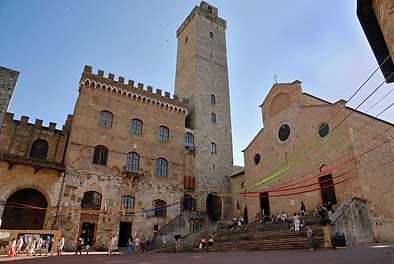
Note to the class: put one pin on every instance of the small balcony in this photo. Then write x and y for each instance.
(132, 173)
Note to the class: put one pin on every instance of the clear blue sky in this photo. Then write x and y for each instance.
(320, 43)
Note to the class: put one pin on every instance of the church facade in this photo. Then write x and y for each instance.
(317, 152)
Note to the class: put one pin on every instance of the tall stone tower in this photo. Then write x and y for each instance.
(202, 77)
(8, 80)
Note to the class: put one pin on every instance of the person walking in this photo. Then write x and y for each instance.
(303, 209)
(19, 246)
(130, 246)
(137, 243)
(296, 221)
(60, 247)
(309, 234)
(87, 245)
(50, 244)
(40, 243)
(109, 253)
(79, 247)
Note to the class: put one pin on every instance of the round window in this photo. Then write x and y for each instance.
(323, 130)
(257, 158)
(284, 132)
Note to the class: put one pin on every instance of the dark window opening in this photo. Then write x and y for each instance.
(127, 205)
(213, 118)
(161, 167)
(100, 155)
(39, 149)
(213, 99)
(163, 133)
(284, 132)
(105, 118)
(136, 127)
(91, 200)
(213, 148)
(189, 140)
(257, 158)
(324, 129)
(132, 162)
(160, 208)
(211, 35)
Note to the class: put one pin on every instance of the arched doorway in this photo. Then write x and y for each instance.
(246, 219)
(214, 207)
(25, 209)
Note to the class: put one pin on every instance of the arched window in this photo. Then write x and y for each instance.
(127, 205)
(136, 127)
(213, 99)
(160, 208)
(91, 200)
(189, 140)
(213, 147)
(161, 167)
(163, 133)
(105, 118)
(132, 162)
(39, 149)
(213, 118)
(100, 155)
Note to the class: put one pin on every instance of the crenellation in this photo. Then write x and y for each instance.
(9, 116)
(87, 68)
(167, 94)
(121, 79)
(24, 120)
(111, 76)
(140, 86)
(158, 91)
(150, 89)
(38, 123)
(131, 83)
(52, 126)
(175, 97)
(100, 73)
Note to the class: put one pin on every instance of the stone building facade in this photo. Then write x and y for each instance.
(129, 159)
(377, 20)
(8, 79)
(332, 151)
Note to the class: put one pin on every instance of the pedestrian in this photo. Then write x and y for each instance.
(130, 246)
(60, 247)
(109, 253)
(79, 246)
(164, 239)
(50, 244)
(309, 234)
(303, 209)
(40, 243)
(87, 245)
(32, 247)
(114, 245)
(296, 221)
(19, 246)
(137, 243)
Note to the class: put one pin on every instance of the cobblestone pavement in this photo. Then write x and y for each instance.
(377, 254)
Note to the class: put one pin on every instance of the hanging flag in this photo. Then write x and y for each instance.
(105, 212)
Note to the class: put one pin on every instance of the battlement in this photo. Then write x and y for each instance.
(119, 87)
(205, 10)
(9, 119)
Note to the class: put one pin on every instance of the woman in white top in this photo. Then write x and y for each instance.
(296, 221)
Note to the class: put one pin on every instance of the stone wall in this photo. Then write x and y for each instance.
(352, 220)
(384, 12)
(125, 102)
(201, 72)
(8, 79)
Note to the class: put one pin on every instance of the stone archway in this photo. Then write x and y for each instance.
(25, 209)
(214, 207)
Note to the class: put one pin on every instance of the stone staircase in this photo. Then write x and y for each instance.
(266, 236)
